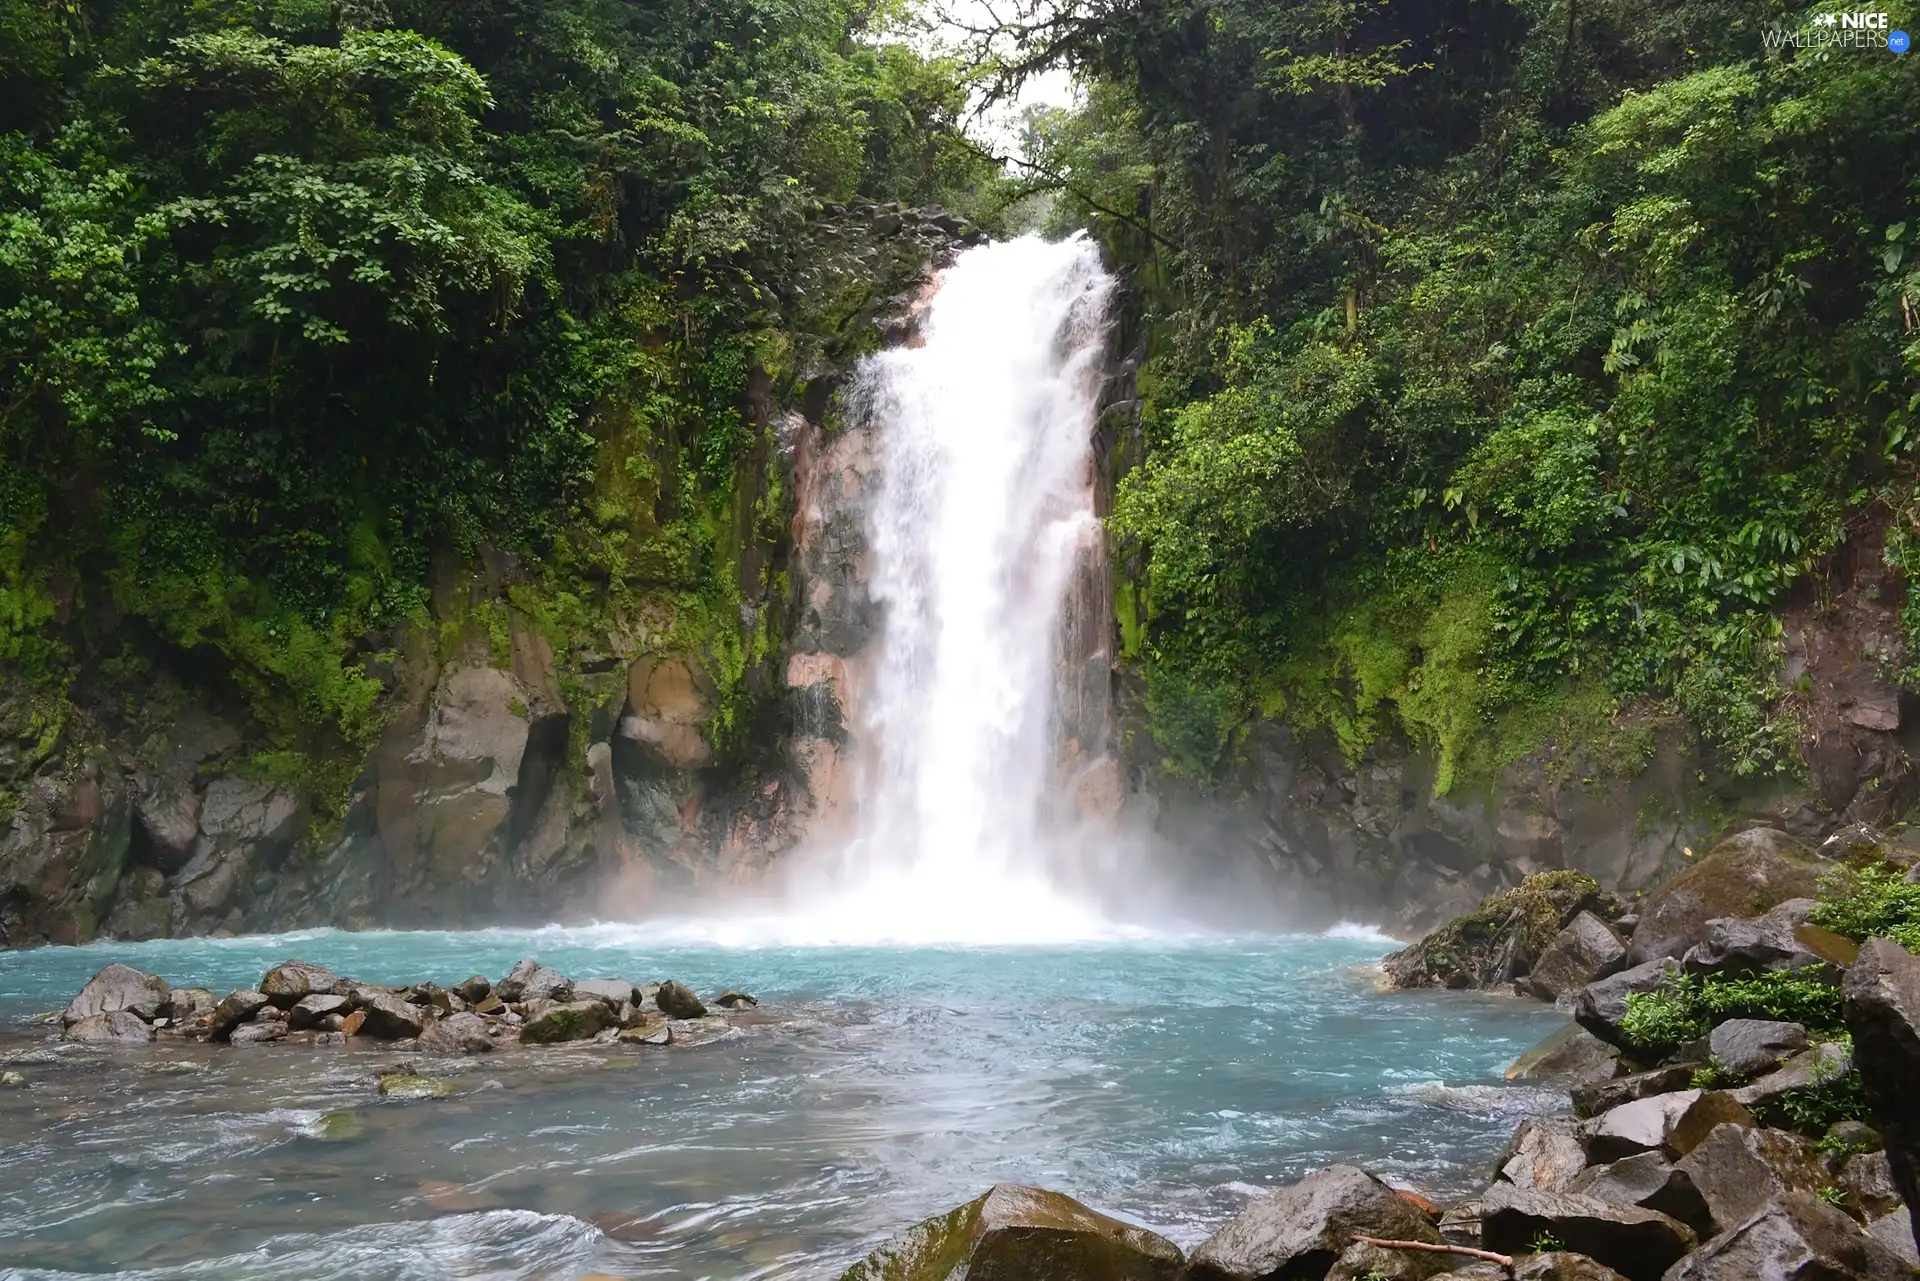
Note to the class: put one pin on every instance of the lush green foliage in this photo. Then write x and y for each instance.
(1687, 1006)
(1504, 357)
(296, 297)
(1871, 902)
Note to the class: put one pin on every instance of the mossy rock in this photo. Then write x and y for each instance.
(1024, 1232)
(1748, 874)
(1500, 940)
(404, 1086)
(338, 1127)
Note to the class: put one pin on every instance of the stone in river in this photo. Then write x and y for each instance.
(1308, 1225)
(700, 1031)
(185, 1004)
(1572, 1057)
(257, 1033)
(118, 987)
(566, 1021)
(1796, 1238)
(1638, 1243)
(287, 983)
(337, 1127)
(677, 1001)
(115, 1026)
(736, 1001)
(1022, 1234)
(12, 1080)
(386, 1015)
(310, 1010)
(350, 1026)
(529, 980)
(615, 992)
(456, 1034)
(474, 988)
(406, 1085)
(235, 1008)
(489, 1003)
(657, 1033)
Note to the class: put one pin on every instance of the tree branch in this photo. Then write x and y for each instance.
(1066, 184)
(1504, 1260)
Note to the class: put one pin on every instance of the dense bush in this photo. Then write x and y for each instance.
(1688, 1006)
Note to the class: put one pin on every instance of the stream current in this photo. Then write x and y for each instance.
(1163, 1082)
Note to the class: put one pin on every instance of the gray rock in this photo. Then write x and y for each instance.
(1638, 1243)
(168, 813)
(1016, 1232)
(1562, 1265)
(1587, 949)
(118, 987)
(1600, 1006)
(310, 1010)
(1739, 1169)
(1753, 944)
(456, 1034)
(1571, 1056)
(1895, 1232)
(615, 992)
(1881, 1001)
(1748, 1047)
(1460, 1223)
(474, 988)
(290, 982)
(557, 1021)
(1673, 1123)
(1604, 1096)
(1745, 875)
(736, 1001)
(187, 1004)
(1824, 1062)
(1303, 1228)
(258, 1033)
(386, 1016)
(1545, 1153)
(529, 980)
(1797, 1238)
(1851, 1136)
(1648, 1180)
(234, 1009)
(1362, 1262)
(677, 1001)
(115, 1026)
(1867, 1179)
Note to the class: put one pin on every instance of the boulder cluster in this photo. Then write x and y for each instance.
(298, 1002)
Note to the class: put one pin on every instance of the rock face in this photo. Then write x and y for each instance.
(1307, 1226)
(1744, 876)
(1018, 1233)
(116, 988)
(1881, 1000)
(1796, 1238)
(1503, 938)
(1638, 1243)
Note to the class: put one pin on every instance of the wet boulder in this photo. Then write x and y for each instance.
(1600, 1006)
(1754, 944)
(1881, 1001)
(529, 980)
(1745, 875)
(1673, 1123)
(118, 988)
(310, 1011)
(290, 982)
(558, 1021)
(1571, 1056)
(1365, 1262)
(188, 1005)
(1545, 1152)
(1739, 1169)
(615, 992)
(258, 1033)
(474, 988)
(1018, 1233)
(1304, 1227)
(387, 1016)
(1748, 1047)
(1501, 939)
(456, 1034)
(113, 1027)
(1796, 1238)
(1587, 949)
(736, 1001)
(677, 1001)
(1638, 1243)
(1604, 1096)
(1650, 1181)
(235, 1008)
(409, 1085)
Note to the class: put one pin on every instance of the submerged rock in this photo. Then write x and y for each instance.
(736, 1001)
(1018, 1233)
(1308, 1225)
(118, 988)
(406, 1085)
(677, 1001)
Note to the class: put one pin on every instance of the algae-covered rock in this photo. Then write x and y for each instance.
(1745, 875)
(1500, 940)
(1018, 1233)
(566, 1021)
(405, 1085)
(336, 1127)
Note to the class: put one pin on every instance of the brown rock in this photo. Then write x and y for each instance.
(1745, 875)
(1545, 1153)
(387, 1016)
(1308, 1225)
(1022, 1234)
(1739, 1169)
(456, 1034)
(290, 982)
(677, 1001)
(1797, 1238)
(234, 1009)
(115, 988)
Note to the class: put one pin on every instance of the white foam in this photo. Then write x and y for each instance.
(1359, 932)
